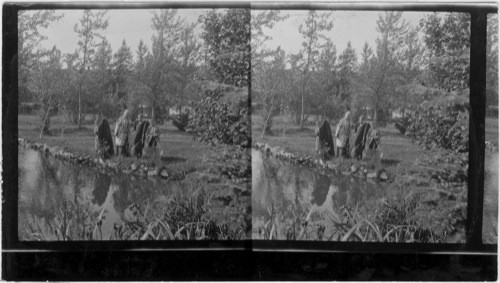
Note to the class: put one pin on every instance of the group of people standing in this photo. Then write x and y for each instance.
(367, 137)
(131, 137)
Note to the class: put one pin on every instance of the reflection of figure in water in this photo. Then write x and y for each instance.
(325, 209)
(326, 196)
(320, 189)
(129, 198)
(101, 188)
(122, 197)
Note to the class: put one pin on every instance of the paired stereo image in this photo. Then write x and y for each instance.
(251, 124)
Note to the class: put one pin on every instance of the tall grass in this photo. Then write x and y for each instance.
(181, 219)
(386, 221)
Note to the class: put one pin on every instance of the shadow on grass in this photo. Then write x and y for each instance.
(298, 130)
(174, 132)
(390, 162)
(172, 159)
(71, 130)
(388, 133)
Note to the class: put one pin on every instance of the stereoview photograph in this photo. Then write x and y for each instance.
(134, 124)
(360, 126)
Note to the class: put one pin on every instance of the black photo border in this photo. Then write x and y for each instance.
(201, 260)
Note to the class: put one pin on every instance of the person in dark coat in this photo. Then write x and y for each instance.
(139, 138)
(360, 122)
(103, 138)
(138, 121)
(360, 140)
(324, 141)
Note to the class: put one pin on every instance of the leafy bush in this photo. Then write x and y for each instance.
(442, 126)
(181, 121)
(217, 122)
(228, 51)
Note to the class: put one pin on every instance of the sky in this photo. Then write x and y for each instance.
(355, 26)
(131, 25)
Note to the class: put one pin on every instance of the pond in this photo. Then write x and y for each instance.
(490, 209)
(284, 196)
(62, 201)
(293, 202)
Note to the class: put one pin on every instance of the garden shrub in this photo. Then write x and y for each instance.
(216, 122)
(443, 126)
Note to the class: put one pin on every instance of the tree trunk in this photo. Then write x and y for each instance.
(302, 112)
(79, 109)
(266, 128)
(44, 127)
(45, 124)
(153, 113)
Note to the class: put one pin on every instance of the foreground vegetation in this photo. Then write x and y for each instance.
(213, 203)
(427, 200)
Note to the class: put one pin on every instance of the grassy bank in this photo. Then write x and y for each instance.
(179, 148)
(400, 155)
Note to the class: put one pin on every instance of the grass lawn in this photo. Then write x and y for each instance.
(491, 129)
(399, 153)
(179, 148)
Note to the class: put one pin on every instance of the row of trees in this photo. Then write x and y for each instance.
(399, 72)
(94, 79)
(408, 65)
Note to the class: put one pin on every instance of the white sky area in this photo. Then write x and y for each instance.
(135, 24)
(131, 25)
(355, 26)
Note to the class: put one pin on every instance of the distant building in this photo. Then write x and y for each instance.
(397, 114)
(29, 107)
(145, 110)
(177, 110)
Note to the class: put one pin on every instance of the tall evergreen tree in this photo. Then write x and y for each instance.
(89, 30)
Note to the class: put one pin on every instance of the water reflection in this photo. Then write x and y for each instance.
(285, 197)
(490, 208)
(101, 188)
(58, 201)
